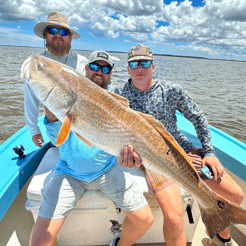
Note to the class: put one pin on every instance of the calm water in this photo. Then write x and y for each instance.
(219, 88)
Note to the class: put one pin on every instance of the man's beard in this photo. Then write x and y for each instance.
(58, 49)
(103, 84)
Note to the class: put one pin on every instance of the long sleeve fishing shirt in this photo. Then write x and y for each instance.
(161, 101)
(31, 102)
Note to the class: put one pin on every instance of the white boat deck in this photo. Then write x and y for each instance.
(17, 224)
(20, 234)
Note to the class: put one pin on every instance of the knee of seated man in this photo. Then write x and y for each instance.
(238, 196)
(174, 218)
(143, 215)
(150, 219)
(235, 195)
(147, 218)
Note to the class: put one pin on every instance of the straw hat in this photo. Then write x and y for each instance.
(54, 18)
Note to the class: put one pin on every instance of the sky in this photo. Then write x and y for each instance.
(202, 28)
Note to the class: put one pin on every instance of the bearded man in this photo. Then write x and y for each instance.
(58, 35)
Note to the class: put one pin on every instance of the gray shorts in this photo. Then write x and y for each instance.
(62, 192)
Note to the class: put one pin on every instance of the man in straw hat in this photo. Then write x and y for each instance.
(57, 34)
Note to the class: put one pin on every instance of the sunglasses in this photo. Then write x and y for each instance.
(144, 63)
(53, 30)
(95, 67)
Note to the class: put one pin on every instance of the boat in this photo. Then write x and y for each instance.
(25, 168)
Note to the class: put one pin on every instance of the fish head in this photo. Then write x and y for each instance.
(53, 83)
(38, 75)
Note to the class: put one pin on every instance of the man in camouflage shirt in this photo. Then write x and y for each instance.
(161, 100)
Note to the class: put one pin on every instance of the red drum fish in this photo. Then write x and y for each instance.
(104, 119)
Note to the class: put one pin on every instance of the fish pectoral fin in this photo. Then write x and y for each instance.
(83, 139)
(121, 99)
(157, 179)
(64, 131)
(166, 136)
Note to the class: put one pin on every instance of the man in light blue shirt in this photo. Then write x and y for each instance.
(81, 168)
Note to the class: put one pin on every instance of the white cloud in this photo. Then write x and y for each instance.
(15, 37)
(205, 26)
(203, 50)
(219, 24)
(133, 7)
(227, 9)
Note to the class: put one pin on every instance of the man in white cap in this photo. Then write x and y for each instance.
(58, 36)
(80, 168)
(99, 68)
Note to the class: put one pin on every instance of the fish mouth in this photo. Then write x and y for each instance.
(25, 74)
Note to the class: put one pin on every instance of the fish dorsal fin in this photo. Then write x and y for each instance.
(166, 136)
(121, 99)
(158, 179)
(64, 131)
(83, 140)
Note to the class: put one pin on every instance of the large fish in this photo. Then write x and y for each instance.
(105, 120)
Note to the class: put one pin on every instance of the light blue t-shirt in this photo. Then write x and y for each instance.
(76, 158)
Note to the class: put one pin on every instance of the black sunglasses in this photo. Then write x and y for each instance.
(54, 31)
(105, 69)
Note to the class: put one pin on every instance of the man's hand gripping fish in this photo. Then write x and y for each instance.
(104, 119)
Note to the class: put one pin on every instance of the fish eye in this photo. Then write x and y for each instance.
(40, 66)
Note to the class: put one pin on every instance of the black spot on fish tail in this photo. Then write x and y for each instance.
(221, 215)
(168, 152)
(221, 204)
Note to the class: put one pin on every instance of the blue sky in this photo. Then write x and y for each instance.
(209, 28)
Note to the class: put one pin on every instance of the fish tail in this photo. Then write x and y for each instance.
(220, 216)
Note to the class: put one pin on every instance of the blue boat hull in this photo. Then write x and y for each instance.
(14, 171)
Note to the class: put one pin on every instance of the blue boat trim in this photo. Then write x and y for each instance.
(228, 137)
(230, 151)
(15, 172)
